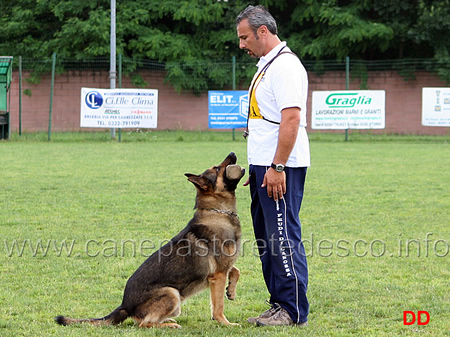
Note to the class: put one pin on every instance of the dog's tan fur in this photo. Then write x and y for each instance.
(202, 255)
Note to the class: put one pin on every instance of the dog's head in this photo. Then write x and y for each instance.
(216, 179)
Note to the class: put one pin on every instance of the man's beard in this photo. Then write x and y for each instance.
(251, 54)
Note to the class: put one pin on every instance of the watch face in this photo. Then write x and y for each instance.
(279, 168)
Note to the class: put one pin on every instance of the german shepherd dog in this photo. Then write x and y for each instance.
(202, 255)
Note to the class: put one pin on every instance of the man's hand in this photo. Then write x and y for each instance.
(276, 184)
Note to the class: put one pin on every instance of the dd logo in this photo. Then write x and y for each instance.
(409, 318)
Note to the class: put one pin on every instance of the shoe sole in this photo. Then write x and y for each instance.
(252, 320)
(300, 325)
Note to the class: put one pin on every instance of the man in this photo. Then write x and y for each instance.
(278, 155)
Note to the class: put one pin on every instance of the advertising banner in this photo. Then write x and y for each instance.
(119, 108)
(436, 106)
(227, 109)
(362, 109)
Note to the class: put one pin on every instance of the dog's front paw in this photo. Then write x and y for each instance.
(223, 320)
(231, 291)
(235, 324)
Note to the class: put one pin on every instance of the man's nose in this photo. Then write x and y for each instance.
(241, 45)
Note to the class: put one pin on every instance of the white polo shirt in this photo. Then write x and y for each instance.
(284, 85)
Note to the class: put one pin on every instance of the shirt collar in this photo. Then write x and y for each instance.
(271, 54)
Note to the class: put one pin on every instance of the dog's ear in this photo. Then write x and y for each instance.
(199, 181)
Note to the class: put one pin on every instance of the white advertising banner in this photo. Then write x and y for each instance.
(347, 109)
(436, 106)
(119, 108)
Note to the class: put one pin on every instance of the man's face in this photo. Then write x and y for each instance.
(248, 41)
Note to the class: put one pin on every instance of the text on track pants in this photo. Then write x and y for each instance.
(278, 234)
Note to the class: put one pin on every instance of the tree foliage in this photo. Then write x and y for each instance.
(191, 36)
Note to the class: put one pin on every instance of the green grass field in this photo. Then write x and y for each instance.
(80, 213)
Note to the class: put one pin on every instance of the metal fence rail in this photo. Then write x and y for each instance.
(244, 70)
(183, 87)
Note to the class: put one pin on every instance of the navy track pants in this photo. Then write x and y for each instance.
(278, 234)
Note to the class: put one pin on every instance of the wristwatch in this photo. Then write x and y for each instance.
(278, 167)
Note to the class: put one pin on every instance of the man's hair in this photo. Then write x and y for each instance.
(258, 16)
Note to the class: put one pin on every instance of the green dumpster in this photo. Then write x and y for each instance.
(5, 82)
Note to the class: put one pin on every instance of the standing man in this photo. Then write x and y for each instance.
(278, 155)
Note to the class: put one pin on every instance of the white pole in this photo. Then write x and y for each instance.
(112, 60)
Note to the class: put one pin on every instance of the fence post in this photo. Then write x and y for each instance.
(20, 95)
(112, 57)
(120, 86)
(51, 96)
(233, 62)
(347, 84)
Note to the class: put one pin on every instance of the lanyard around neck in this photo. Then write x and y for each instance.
(253, 88)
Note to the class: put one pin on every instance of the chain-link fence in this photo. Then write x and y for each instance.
(183, 87)
(216, 75)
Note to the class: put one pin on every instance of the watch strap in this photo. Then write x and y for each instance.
(276, 169)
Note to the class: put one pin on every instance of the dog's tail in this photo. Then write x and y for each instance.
(114, 318)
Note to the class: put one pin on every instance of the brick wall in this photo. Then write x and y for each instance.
(189, 112)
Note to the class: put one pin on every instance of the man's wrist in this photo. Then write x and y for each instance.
(277, 167)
